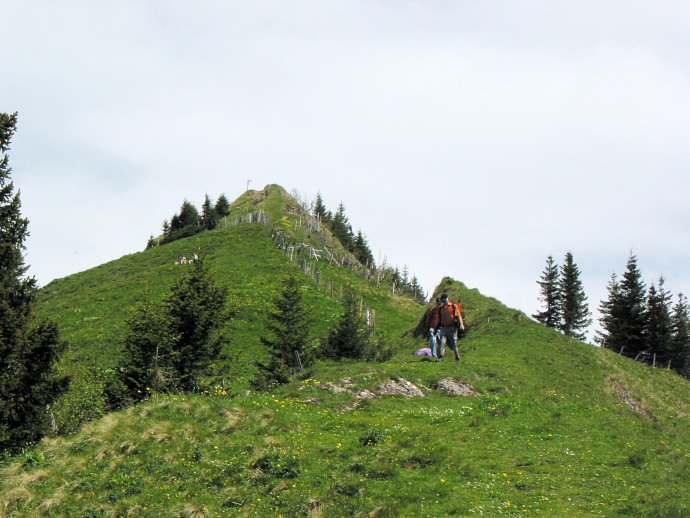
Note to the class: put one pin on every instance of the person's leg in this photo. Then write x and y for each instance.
(453, 342)
(432, 341)
(442, 342)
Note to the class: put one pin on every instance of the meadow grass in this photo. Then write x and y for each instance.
(554, 427)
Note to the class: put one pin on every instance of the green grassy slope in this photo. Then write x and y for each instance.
(551, 426)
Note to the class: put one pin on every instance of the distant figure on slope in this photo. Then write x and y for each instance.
(450, 316)
(432, 323)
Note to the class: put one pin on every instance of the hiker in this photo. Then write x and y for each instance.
(432, 322)
(450, 316)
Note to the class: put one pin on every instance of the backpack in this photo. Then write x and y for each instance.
(455, 310)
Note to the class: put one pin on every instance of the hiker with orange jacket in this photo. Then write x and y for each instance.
(432, 322)
(450, 322)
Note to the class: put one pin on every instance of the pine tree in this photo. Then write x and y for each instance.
(609, 318)
(680, 336)
(290, 325)
(418, 293)
(623, 315)
(189, 215)
(362, 251)
(350, 338)
(28, 382)
(573, 308)
(148, 349)
(175, 224)
(196, 308)
(657, 329)
(222, 207)
(165, 228)
(208, 214)
(342, 229)
(549, 295)
(319, 211)
(632, 309)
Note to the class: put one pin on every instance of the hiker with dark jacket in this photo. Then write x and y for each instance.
(432, 323)
(450, 322)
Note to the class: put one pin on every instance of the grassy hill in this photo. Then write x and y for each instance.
(527, 423)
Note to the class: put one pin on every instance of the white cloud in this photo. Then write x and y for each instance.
(535, 127)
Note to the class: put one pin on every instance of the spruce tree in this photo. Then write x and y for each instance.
(362, 251)
(222, 206)
(657, 330)
(208, 214)
(28, 382)
(166, 229)
(610, 323)
(573, 308)
(290, 325)
(148, 351)
(632, 310)
(351, 337)
(680, 336)
(319, 211)
(341, 228)
(418, 293)
(175, 223)
(196, 308)
(189, 215)
(623, 314)
(549, 295)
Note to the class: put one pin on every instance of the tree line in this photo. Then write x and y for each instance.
(339, 225)
(637, 321)
(189, 221)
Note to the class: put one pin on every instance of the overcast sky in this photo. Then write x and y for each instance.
(465, 138)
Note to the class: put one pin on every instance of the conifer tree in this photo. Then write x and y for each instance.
(573, 308)
(28, 382)
(196, 308)
(319, 211)
(417, 290)
(632, 309)
(342, 229)
(175, 223)
(657, 329)
(623, 315)
(350, 338)
(170, 344)
(166, 228)
(208, 214)
(189, 215)
(148, 351)
(362, 251)
(290, 325)
(609, 319)
(549, 295)
(222, 206)
(680, 336)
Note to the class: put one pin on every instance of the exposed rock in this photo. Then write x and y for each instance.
(455, 387)
(400, 387)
